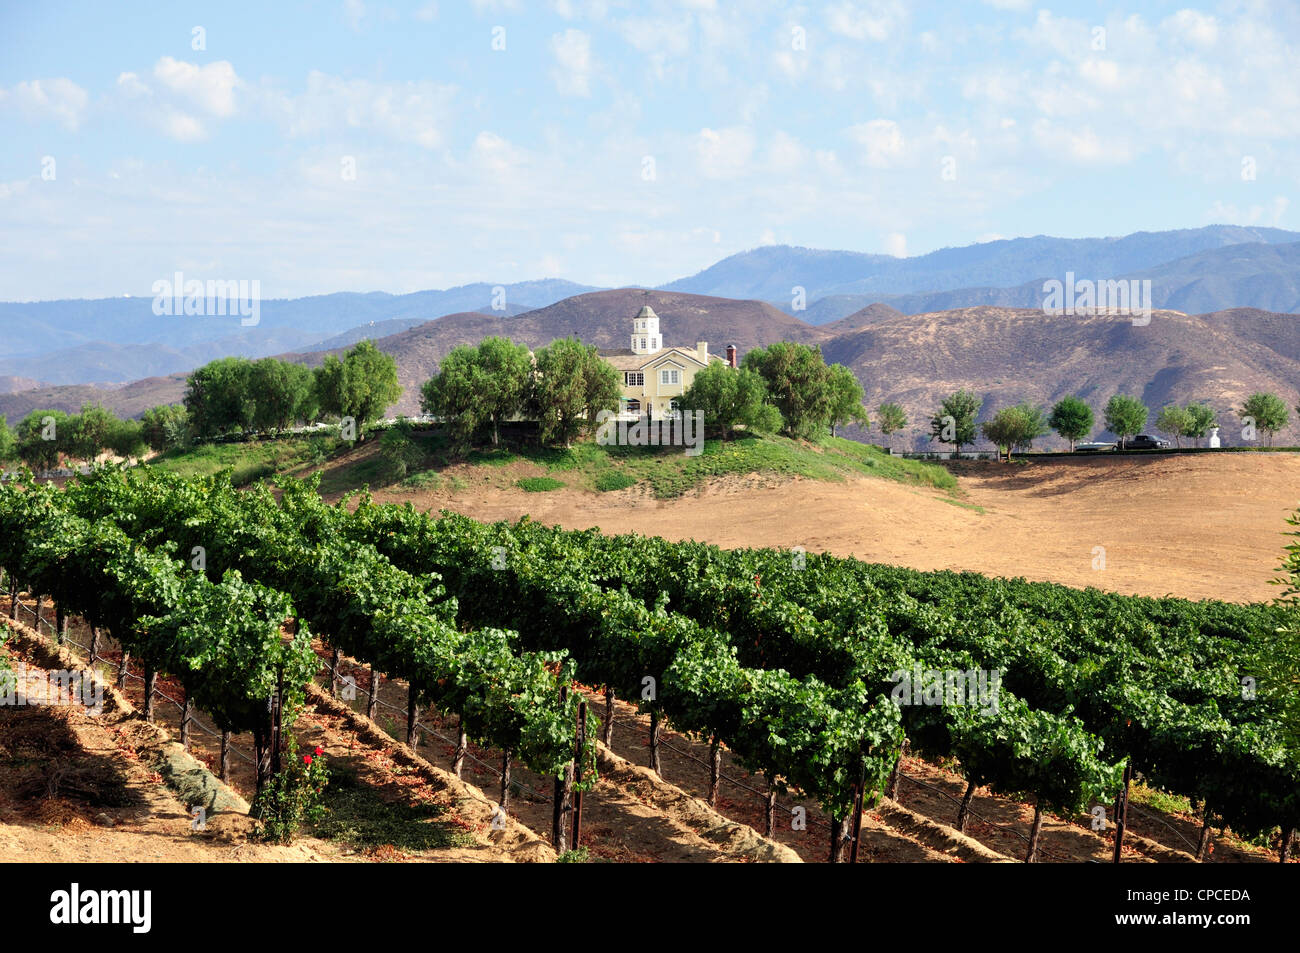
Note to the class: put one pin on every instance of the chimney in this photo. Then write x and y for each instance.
(702, 349)
(731, 354)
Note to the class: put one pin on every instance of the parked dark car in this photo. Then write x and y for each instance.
(1143, 441)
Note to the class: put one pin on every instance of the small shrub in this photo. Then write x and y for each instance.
(607, 482)
(539, 484)
(292, 796)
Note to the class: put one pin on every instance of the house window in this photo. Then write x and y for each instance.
(634, 407)
(633, 379)
(669, 377)
(643, 344)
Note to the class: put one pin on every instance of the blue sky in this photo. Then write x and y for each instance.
(615, 143)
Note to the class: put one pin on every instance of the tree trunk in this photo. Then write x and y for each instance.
(608, 731)
(123, 668)
(334, 672)
(897, 774)
(505, 779)
(13, 597)
(40, 600)
(60, 624)
(963, 813)
(840, 827)
(225, 756)
(563, 808)
(654, 743)
(262, 752)
(462, 746)
(372, 706)
(771, 809)
(715, 770)
(1284, 849)
(94, 644)
(1032, 856)
(150, 679)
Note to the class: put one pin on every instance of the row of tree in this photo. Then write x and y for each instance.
(44, 438)
(236, 395)
(565, 385)
(1016, 428)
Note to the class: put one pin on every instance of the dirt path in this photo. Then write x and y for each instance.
(1197, 526)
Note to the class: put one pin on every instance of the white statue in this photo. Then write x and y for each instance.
(1214, 436)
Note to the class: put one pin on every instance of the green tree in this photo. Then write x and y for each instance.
(1008, 428)
(798, 383)
(480, 385)
(1035, 425)
(1267, 412)
(1071, 417)
(361, 386)
(891, 419)
(163, 424)
(282, 393)
(219, 397)
(955, 421)
(572, 384)
(845, 399)
(89, 432)
(1125, 416)
(8, 444)
(1175, 421)
(126, 439)
(729, 398)
(1201, 420)
(41, 437)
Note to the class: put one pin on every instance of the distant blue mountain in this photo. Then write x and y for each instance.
(771, 272)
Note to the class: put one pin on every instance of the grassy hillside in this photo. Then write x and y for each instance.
(663, 472)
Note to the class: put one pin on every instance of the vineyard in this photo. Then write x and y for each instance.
(789, 661)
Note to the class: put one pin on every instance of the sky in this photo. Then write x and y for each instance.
(358, 145)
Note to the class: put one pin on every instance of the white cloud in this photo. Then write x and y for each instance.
(211, 88)
(406, 112)
(881, 141)
(427, 12)
(868, 21)
(1193, 27)
(354, 11)
(724, 153)
(40, 99)
(572, 51)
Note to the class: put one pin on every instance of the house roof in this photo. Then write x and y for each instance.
(624, 359)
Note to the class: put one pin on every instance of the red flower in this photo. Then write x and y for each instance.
(320, 751)
(306, 759)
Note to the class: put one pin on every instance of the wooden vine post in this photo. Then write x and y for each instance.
(563, 802)
(150, 680)
(334, 672)
(715, 770)
(896, 774)
(60, 624)
(13, 597)
(94, 644)
(411, 712)
(505, 780)
(608, 730)
(40, 600)
(771, 808)
(462, 747)
(654, 742)
(859, 794)
(1121, 810)
(187, 714)
(225, 756)
(580, 746)
(123, 668)
(372, 706)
